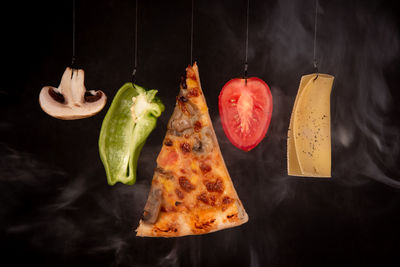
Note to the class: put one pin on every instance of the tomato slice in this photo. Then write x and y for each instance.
(245, 110)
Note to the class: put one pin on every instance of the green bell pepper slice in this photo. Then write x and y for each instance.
(130, 119)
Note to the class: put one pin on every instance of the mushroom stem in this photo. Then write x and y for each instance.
(78, 87)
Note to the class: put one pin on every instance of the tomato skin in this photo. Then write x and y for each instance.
(245, 110)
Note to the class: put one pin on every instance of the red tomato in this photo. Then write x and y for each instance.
(245, 110)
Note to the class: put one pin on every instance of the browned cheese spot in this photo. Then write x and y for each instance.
(167, 230)
(231, 216)
(217, 186)
(190, 73)
(185, 147)
(194, 92)
(205, 168)
(197, 126)
(203, 225)
(213, 199)
(203, 198)
(227, 200)
(186, 184)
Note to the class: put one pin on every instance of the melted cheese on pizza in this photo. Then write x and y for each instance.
(195, 191)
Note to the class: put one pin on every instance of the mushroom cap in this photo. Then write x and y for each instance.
(71, 101)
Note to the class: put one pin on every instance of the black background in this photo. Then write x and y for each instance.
(56, 208)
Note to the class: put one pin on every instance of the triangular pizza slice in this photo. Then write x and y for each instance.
(191, 192)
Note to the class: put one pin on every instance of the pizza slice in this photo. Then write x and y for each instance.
(191, 192)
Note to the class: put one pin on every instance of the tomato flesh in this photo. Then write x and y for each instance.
(245, 109)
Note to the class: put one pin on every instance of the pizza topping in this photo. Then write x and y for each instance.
(194, 92)
(197, 126)
(183, 82)
(205, 168)
(183, 99)
(193, 110)
(186, 184)
(204, 224)
(208, 142)
(198, 145)
(231, 216)
(217, 186)
(185, 147)
(179, 193)
(181, 124)
(167, 230)
(153, 205)
(207, 199)
(203, 198)
(182, 105)
(168, 158)
(227, 200)
(190, 73)
(167, 174)
(178, 122)
(186, 106)
(203, 143)
(213, 199)
(168, 142)
(184, 117)
(160, 170)
(200, 195)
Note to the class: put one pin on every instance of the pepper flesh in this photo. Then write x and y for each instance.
(130, 119)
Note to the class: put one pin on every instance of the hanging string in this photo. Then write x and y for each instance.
(191, 35)
(247, 41)
(135, 53)
(315, 40)
(73, 35)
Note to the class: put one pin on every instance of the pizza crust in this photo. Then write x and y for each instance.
(181, 227)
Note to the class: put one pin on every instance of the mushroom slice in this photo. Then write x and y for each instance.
(153, 205)
(71, 101)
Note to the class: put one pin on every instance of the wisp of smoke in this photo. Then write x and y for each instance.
(64, 212)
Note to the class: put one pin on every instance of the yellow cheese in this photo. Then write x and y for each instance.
(191, 83)
(309, 135)
(168, 185)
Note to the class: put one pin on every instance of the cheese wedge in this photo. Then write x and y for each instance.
(309, 135)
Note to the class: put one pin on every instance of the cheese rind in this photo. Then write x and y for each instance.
(309, 138)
